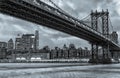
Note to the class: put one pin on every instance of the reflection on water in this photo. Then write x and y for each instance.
(96, 71)
(65, 75)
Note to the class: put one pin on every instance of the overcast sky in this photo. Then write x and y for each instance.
(10, 27)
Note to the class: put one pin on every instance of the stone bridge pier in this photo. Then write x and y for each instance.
(96, 57)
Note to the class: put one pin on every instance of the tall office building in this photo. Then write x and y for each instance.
(36, 44)
(3, 50)
(72, 51)
(18, 44)
(27, 42)
(65, 52)
(114, 37)
(10, 45)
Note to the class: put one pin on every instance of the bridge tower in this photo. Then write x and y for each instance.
(105, 31)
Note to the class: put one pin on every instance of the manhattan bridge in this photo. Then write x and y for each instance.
(96, 32)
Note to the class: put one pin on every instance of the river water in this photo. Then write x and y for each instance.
(59, 71)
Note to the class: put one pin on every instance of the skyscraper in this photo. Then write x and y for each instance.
(27, 42)
(3, 50)
(10, 44)
(36, 44)
(18, 44)
(72, 51)
(65, 52)
(114, 36)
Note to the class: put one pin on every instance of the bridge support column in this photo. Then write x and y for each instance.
(94, 54)
(95, 58)
(106, 58)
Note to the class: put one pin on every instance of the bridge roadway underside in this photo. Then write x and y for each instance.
(46, 18)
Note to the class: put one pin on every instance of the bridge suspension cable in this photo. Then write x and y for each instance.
(57, 7)
(85, 17)
(61, 10)
(86, 20)
(112, 28)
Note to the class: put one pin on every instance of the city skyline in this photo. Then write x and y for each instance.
(12, 42)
